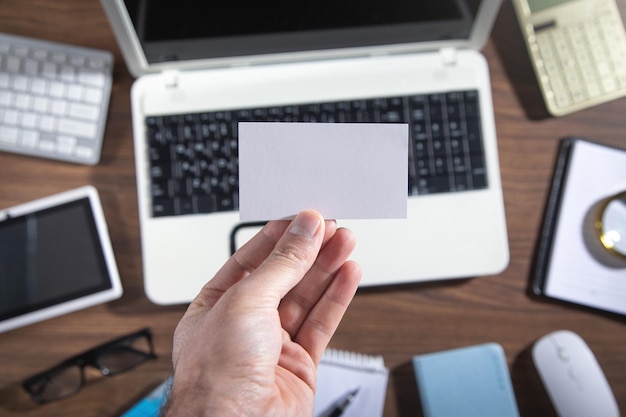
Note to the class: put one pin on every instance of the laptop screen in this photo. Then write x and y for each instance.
(190, 30)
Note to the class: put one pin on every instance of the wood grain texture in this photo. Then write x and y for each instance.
(397, 322)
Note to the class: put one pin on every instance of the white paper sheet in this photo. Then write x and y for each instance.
(343, 170)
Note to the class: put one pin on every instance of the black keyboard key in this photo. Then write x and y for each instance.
(226, 203)
(433, 185)
(420, 132)
(391, 116)
(441, 167)
(461, 183)
(474, 138)
(158, 189)
(456, 147)
(479, 181)
(185, 205)
(435, 105)
(156, 172)
(455, 128)
(162, 207)
(471, 105)
(206, 204)
(439, 147)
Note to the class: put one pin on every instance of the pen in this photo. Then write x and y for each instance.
(341, 406)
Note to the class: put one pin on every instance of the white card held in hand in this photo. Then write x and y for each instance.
(342, 170)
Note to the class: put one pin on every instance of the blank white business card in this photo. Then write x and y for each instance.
(342, 170)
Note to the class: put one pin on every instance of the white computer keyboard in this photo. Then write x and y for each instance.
(54, 99)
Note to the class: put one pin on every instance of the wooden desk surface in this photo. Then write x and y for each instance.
(397, 322)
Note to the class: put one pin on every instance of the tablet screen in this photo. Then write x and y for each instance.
(49, 257)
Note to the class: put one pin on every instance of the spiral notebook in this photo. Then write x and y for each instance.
(341, 372)
(571, 265)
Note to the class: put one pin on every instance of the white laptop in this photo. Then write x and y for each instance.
(203, 67)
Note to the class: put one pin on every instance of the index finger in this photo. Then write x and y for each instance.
(247, 259)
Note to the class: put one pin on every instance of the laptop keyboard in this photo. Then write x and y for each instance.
(54, 99)
(194, 165)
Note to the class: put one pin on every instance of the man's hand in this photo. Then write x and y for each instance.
(250, 342)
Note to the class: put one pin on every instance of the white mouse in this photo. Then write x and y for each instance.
(572, 376)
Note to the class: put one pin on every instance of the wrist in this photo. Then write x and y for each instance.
(191, 400)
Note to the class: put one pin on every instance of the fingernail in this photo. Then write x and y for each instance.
(305, 224)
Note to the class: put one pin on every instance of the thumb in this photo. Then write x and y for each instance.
(294, 254)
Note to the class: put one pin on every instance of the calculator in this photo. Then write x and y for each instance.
(578, 51)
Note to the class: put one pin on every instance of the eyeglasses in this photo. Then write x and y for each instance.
(68, 377)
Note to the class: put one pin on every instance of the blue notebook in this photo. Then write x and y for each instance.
(467, 382)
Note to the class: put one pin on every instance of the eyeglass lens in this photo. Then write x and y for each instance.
(61, 384)
(124, 356)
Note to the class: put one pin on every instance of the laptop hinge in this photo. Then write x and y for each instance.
(170, 78)
(448, 56)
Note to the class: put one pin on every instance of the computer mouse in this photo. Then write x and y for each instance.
(572, 376)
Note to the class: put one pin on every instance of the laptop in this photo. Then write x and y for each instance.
(203, 67)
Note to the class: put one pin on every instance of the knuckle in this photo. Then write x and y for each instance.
(292, 256)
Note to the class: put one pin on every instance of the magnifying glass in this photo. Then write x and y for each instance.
(611, 224)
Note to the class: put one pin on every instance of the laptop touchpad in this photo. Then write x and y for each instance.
(242, 233)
